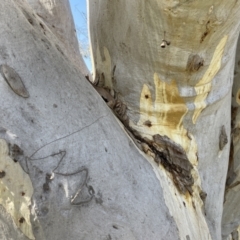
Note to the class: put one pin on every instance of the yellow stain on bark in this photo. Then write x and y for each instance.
(15, 191)
(203, 87)
(164, 116)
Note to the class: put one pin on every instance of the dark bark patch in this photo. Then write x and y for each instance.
(115, 226)
(29, 17)
(194, 63)
(148, 123)
(174, 159)
(14, 81)
(171, 156)
(15, 152)
(203, 36)
(21, 220)
(206, 32)
(234, 111)
(42, 26)
(231, 175)
(2, 174)
(59, 49)
(223, 140)
(46, 187)
(203, 196)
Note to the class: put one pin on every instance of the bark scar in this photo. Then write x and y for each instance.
(14, 81)
(223, 140)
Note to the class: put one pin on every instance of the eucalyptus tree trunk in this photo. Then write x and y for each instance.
(170, 63)
(68, 168)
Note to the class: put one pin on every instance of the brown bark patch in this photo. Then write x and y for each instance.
(147, 123)
(206, 32)
(14, 81)
(238, 97)
(194, 63)
(223, 140)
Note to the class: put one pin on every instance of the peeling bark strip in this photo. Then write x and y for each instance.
(14, 81)
(174, 159)
(170, 155)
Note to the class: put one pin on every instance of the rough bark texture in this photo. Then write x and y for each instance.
(171, 63)
(63, 127)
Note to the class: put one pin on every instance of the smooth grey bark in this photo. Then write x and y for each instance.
(58, 18)
(64, 114)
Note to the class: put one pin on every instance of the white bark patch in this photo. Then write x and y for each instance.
(203, 87)
(15, 191)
